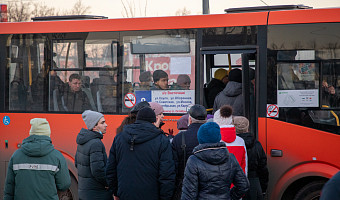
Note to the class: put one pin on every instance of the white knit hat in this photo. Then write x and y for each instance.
(223, 116)
(40, 126)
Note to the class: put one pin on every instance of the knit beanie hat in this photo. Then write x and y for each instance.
(220, 74)
(40, 126)
(235, 75)
(223, 116)
(182, 123)
(139, 106)
(209, 133)
(146, 114)
(158, 108)
(91, 118)
(241, 124)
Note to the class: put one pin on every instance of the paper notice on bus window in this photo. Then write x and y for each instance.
(173, 101)
(298, 98)
(180, 65)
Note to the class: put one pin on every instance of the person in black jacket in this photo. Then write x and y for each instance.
(91, 158)
(197, 117)
(211, 170)
(216, 85)
(258, 174)
(71, 98)
(132, 115)
(140, 163)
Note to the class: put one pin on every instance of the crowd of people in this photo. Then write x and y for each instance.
(143, 163)
(215, 158)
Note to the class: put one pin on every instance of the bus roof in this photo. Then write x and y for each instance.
(266, 8)
(178, 22)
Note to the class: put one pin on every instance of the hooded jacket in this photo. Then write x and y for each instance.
(231, 95)
(210, 173)
(140, 164)
(91, 161)
(257, 160)
(36, 171)
(235, 145)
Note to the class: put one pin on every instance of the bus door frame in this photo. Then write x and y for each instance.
(246, 52)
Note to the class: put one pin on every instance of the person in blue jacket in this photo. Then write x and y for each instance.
(140, 163)
(37, 170)
(331, 190)
(91, 158)
(211, 170)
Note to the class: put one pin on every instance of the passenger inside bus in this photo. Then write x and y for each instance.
(103, 90)
(183, 83)
(18, 94)
(231, 94)
(38, 84)
(145, 79)
(71, 98)
(215, 86)
(160, 79)
(329, 96)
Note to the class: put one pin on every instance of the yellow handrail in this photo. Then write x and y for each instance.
(229, 61)
(333, 113)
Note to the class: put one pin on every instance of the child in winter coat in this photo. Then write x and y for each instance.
(223, 117)
(211, 170)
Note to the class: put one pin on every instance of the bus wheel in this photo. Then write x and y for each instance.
(71, 193)
(310, 191)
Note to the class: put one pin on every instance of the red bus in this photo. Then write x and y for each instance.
(293, 111)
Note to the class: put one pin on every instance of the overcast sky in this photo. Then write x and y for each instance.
(114, 8)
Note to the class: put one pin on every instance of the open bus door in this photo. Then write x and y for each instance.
(230, 58)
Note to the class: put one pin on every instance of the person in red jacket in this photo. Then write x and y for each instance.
(223, 117)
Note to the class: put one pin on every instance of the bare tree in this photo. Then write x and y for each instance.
(17, 11)
(131, 10)
(79, 8)
(24, 10)
(39, 10)
(182, 12)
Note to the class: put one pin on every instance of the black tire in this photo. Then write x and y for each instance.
(72, 192)
(311, 191)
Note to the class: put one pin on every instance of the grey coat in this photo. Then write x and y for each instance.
(231, 95)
